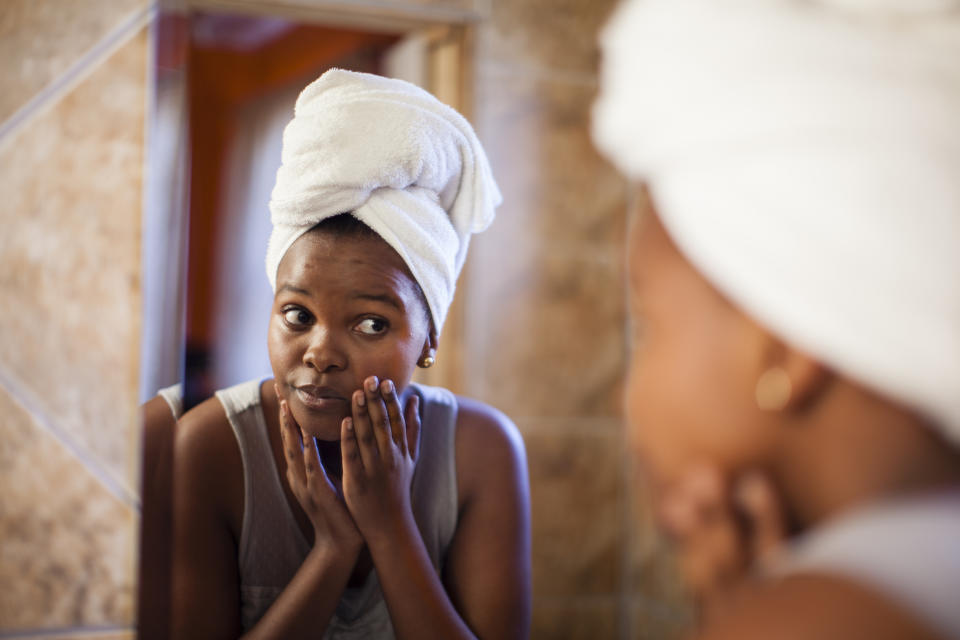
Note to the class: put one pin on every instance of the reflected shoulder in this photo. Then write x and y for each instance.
(483, 426)
(491, 459)
(207, 458)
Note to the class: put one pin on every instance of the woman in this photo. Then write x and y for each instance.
(338, 499)
(796, 296)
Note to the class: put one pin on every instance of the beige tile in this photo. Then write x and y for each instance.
(70, 259)
(653, 571)
(575, 619)
(555, 185)
(67, 557)
(545, 288)
(558, 35)
(39, 41)
(654, 621)
(577, 510)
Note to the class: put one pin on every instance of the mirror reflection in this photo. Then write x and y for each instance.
(308, 482)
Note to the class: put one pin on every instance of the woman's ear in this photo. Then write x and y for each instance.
(788, 379)
(428, 355)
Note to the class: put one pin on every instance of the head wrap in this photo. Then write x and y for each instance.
(805, 157)
(396, 158)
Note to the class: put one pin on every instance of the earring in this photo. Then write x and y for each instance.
(774, 389)
(426, 362)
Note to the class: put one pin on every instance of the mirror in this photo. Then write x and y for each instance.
(224, 85)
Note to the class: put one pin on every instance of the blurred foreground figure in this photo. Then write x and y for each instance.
(795, 387)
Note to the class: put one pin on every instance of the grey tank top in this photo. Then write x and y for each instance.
(272, 546)
(907, 550)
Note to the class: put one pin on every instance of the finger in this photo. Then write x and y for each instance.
(412, 431)
(363, 430)
(707, 491)
(697, 513)
(676, 514)
(756, 497)
(350, 450)
(723, 547)
(292, 445)
(395, 415)
(378, 417)
(317, 480)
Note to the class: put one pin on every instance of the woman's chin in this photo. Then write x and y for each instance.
(322, 427)
(326, 432)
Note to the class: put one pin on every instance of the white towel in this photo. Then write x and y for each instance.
(405, 164)
(805, 156)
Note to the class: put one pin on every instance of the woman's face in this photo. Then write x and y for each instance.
(346, 308)
(693, 370)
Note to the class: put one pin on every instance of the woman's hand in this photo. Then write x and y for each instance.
(379, 446)
(313, 489)
(722, 532)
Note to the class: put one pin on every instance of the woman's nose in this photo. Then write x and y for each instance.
(323, 353)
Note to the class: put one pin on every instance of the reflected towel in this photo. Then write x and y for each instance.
(405, 164)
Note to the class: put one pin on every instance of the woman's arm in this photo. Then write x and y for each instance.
(207, 482)
(487, 592)
(208, 504)
(488, 570)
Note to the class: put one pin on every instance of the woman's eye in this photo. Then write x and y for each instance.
(296, 317)
(372, 326)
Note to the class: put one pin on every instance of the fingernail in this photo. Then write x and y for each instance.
(372, 383)
(386, 386)
(361, 399)
(348, 424)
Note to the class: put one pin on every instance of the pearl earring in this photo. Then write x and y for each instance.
(774, 389)
(426, 362)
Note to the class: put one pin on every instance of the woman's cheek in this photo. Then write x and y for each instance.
(280, 352)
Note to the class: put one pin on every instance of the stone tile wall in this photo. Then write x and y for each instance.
(545, 324)
(73, 94)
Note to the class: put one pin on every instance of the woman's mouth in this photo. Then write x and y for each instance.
(320, 398)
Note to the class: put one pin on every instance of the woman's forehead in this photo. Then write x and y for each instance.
(347, 259)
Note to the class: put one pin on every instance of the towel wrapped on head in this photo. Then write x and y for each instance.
(805, 157)
(396, 158)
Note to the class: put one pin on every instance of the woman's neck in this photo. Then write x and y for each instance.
(331, 458)
(860, 449)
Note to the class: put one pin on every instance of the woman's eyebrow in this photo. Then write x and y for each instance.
(290, 287)
(380, 297)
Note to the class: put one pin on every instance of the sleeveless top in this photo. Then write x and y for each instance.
(272, 547)
(907, 550)
(173, 395)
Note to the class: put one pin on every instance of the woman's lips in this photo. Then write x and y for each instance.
(320, 398)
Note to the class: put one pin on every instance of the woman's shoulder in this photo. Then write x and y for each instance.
(817, 606)
(489, 448)
(204, 428)
(477, 423)
(207, 456)
(480, 422)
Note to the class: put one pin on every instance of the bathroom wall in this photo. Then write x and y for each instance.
(545, 324)
(542, 333)
(73, 95)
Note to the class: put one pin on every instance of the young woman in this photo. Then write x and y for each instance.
(794, 392)
(338, 499)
